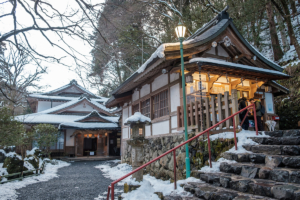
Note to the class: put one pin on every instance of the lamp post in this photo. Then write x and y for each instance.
(180, 31)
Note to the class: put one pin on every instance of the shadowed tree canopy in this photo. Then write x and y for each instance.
(134, 29)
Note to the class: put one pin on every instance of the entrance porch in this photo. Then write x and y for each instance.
(93, 144)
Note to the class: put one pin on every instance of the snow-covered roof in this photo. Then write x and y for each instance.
(203, 35)
(63, 98)
(79, 125)
(237, 66)
(94, 112)
(73, 102)
(65, 121)
(137, 117)
(39, 118)
(73, 82)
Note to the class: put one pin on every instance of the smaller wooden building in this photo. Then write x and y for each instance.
(88, 128)
(220, 68)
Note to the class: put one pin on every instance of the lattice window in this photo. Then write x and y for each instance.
(136, 108)
(161, 104)
(145, 108)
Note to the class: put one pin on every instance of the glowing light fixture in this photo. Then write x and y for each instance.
(180, 30)
(254, 57)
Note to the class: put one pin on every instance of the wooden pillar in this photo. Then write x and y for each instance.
(207, 108)
(213, 109)
(107, 144)
(234, 99)
(219, 99)
(226, 98)
(197, 119)
(76, 144)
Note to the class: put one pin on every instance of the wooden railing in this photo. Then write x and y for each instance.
(21, 175)
(111, 188)
(215, 109)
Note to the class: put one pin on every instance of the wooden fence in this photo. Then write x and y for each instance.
(21, 175)
(216, 107)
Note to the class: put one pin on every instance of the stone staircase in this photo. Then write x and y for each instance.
(272, 171)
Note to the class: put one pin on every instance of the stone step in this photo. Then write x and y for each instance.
(274, 149)
(261, 187)
(285, 133)
(269, 160)
(277, 140)
(211, 192)
(249, 170)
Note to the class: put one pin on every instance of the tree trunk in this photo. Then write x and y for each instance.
(284, 39)
(290, 27)
(277, 51)
(293, 6)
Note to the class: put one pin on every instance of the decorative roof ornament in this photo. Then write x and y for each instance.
(85, 95)
(227, 41)
(73, 82)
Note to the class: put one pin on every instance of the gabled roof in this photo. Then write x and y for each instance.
(63, 98)
(202, 36)
(72, 83)
(77, 101)
(68, 121)
(237, 66)
(95, 114)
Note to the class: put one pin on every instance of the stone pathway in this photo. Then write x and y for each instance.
(81, 180)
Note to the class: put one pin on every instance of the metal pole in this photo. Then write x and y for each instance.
(174, 158)
(234, 131)
(187, 158)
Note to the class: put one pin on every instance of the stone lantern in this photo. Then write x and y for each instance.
(137, 140)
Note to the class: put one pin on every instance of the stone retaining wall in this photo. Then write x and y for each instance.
(163, 168)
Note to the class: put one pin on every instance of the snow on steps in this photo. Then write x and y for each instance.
(258, 173)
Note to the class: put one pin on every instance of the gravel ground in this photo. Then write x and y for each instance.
(80, 180)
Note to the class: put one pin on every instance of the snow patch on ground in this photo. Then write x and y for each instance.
(148, 186)
(215, 165)
(8, 190)
(242, 140)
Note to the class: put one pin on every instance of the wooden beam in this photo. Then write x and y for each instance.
(235, 60)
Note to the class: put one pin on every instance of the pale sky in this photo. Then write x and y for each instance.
(58, 75)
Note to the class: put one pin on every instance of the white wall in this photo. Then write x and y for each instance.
(70, 140)
(125, 132)
(174, 77)
(160, 128)
(135, 95)
(124, 114)
(57, 103)
(159, 82)
(174, 121)
(82, 107)
(43, 105)
(130, 111)
(148, 130)
(175, 97)
(145, 90)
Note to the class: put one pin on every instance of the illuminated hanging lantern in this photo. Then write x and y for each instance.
(189, 79)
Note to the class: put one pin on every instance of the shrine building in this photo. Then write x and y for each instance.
(87, 127)
(217, 56)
